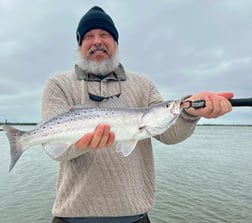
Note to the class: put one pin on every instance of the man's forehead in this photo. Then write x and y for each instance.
(98, 30)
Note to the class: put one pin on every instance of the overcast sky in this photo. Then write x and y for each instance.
(184, 46)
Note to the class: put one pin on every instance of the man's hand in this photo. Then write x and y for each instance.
(101, 137)
(217, 104)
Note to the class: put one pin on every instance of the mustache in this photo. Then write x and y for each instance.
(94, 67)
(93, 49)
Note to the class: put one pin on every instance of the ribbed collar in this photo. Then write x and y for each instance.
(118, 73)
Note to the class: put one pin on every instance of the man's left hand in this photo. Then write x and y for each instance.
(217, 104)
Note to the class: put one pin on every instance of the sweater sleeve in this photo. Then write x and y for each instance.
(181, 129)
(54, 102)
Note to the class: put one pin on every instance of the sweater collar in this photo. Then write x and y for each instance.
(117, 74)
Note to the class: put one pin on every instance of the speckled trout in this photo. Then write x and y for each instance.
(128, 124)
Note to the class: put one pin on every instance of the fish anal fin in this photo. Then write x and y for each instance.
(55, 150)
(125, 147)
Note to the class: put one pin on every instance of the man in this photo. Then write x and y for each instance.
(96, 184)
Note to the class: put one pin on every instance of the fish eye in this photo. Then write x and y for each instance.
(167, 105)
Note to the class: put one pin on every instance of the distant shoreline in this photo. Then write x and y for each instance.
(17, 123)
(34, 123)
(235, 125)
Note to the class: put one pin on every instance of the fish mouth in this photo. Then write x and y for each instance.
(176, 109)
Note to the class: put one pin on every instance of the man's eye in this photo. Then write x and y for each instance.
(88, 36)
(105, 35)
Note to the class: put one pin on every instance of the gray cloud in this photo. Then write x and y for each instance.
(183, 46)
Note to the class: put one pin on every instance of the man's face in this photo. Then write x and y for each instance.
(98, 45)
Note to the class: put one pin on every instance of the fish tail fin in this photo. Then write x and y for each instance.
(16, 147)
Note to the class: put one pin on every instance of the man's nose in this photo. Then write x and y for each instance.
(97, 41)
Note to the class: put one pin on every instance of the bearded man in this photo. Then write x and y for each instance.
(96, 184)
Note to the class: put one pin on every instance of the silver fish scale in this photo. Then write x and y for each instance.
(77, 122)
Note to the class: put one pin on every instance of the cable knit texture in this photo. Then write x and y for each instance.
(103, 182)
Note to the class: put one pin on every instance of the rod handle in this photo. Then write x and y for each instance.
(237, 102)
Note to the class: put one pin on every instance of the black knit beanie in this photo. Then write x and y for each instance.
(96, 18)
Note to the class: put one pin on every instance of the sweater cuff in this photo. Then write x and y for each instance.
(185, 115)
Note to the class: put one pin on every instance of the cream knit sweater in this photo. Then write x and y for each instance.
(103, 182)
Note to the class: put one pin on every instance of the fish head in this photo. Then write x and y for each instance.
(166, 112)
(161, 116)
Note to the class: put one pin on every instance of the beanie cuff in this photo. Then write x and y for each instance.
(96, 18)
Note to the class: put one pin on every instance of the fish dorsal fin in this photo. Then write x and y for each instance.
(80, 106)
(113, 102)
(125, 147)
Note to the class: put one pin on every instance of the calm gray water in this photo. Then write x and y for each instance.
(207, 178)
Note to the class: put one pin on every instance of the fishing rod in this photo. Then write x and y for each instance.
(235, 102)
(241, 102)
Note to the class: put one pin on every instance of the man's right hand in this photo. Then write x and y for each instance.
(101, 137)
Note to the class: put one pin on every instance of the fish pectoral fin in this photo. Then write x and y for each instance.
(125, 147)
(55, 150)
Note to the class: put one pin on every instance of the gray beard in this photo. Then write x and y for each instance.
(95, 67)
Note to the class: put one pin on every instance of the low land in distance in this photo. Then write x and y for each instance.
(34, 123)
